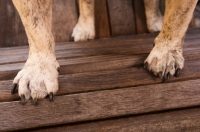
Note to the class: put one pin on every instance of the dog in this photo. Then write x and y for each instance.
(39, 76)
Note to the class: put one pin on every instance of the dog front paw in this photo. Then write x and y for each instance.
(37, 79)
(165, 60)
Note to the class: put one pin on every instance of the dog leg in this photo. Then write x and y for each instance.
(166, 58)
(38, 78)
(153, 15)
(85, 29)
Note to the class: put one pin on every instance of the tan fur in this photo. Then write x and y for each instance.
(84, 29)
(166, 56)
(153, 15)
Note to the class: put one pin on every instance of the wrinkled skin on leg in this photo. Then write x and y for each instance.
(166, 58)
(85, 28)
(153, 15)
(38, 78)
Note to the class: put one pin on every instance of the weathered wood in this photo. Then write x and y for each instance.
(96, 63)
(122, 18)
(12, 32)
(104, 59)
(2, 23)
(140, 17)
(176, 121)
(107, 79)
(65, 17)
(121, 45)
(100, 105)
(102, 26)
(144, 38)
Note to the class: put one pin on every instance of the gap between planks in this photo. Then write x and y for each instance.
(176, 121)
(104, 80)
(100, 105)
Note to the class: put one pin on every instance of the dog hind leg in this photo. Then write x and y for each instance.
(85, 28)
(153, 15)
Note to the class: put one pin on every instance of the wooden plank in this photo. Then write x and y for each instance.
(102, 26)
(2, 22)
(94, 63)
(100, 105)
(117, 60)
(140, 17)
(176, 121)
(107, 79)
(65, 17)
(121, 45)
(121, 16)
(12, 31)
(191, 34)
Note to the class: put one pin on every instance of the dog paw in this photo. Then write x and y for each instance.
(165, 60)
(154, 24)
(37, 79)
(83, 31)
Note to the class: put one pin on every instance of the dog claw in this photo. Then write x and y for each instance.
(160, 75)
(13, 90)
(177, 72)
(58, 70)
(168, 76)
(23, 99)
(146, 65)
(35, 101)
(51, 97)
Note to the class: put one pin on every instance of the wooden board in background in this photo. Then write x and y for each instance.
(12, 32)
(65, 17)
(140, 17)
(122, 17)
(102, 26)
(2, 21)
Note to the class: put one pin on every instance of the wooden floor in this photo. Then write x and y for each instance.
(104, 88)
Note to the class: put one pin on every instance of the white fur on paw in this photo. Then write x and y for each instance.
(154, 24)
(83, 31)
(38, 78)
(165, 59)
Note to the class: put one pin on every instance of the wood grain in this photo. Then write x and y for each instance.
(100, 105)
(2, 21)
(121, 45)
(12, 29)
(107, 79)
(95, 59)
(140, 21)
(102, 26)
(104, 87)
(122, 18)
(176, 121)
(65, 17)
(133, 39)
